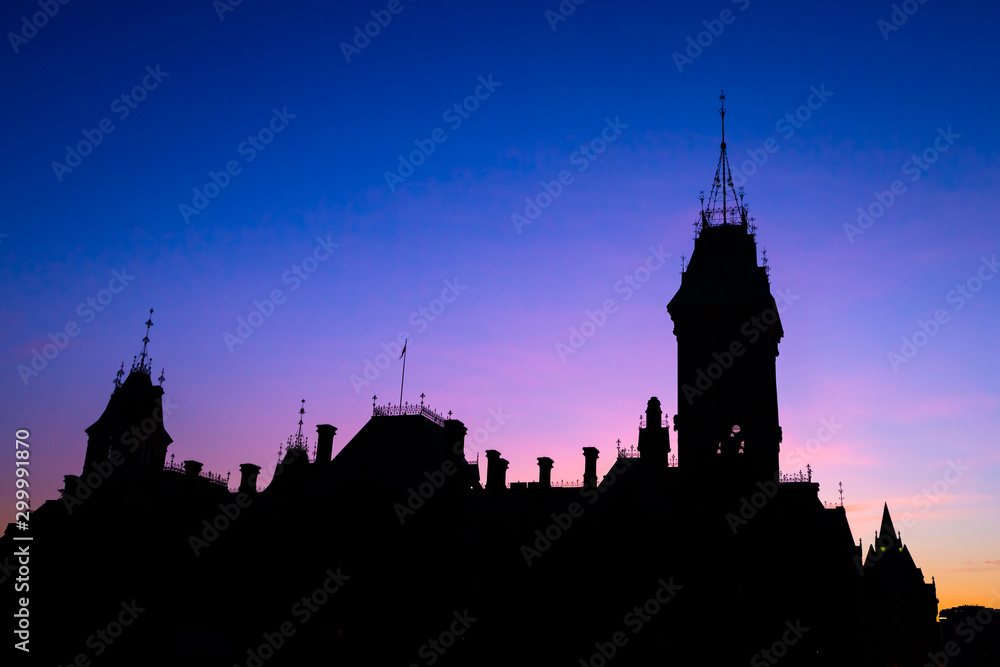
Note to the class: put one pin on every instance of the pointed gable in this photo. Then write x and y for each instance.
(887, 527)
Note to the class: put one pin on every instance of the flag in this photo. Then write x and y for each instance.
(404, 350)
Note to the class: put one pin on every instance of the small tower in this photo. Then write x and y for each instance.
(727, 329)
(131, 429)
(901, 607)
(654, 437)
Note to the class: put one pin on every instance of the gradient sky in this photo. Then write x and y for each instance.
(888, 95)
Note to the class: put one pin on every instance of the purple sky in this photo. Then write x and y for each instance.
(893, 431)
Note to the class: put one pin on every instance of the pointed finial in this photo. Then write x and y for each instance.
(119, 375)
(449, 414)
(722, 115)
(718, 210)
(161, 378)
(421, 400)
(145, 341)
(302, 412)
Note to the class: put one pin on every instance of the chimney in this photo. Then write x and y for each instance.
(544, 472)
(248, 478)
(590, 467)
(324, 443)
(455, 432)
(496, 470)
(70, 485)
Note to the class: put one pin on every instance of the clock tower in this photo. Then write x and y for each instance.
(728, 328)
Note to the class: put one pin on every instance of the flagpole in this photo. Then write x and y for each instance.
(403, 377)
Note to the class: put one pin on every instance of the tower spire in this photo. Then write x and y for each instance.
(298, 441)
(722, 146)
(302, 412)
(144, 363)
(719, 212)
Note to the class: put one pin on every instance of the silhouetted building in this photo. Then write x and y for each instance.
(897, 599)
(393, 552)
(970, 636)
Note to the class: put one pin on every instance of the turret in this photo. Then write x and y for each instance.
(132, 422)
(654, 437)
